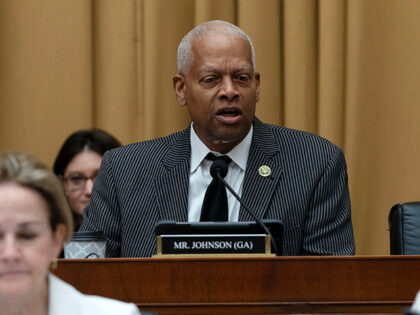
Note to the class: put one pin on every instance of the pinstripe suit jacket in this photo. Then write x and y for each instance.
(307, 190)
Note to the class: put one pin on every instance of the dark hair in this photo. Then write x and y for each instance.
(95, 140)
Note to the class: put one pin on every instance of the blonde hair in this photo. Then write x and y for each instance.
(29, 172)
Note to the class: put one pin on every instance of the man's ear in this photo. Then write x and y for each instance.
(178, 82)
(257, 82)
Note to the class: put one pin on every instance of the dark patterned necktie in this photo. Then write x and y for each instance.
(215, 205)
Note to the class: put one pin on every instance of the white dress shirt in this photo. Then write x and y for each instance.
(200, 176)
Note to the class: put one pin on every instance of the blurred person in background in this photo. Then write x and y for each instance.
(77, 165)
(35, 220)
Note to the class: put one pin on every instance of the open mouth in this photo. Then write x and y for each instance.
(229, 115)
(229, 112)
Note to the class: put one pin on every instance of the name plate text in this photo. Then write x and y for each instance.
(213, 244)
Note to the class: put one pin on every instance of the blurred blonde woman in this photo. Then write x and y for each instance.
(35, 220)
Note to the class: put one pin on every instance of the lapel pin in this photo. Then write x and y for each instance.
(264, 170)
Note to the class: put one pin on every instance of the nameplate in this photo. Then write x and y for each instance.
(210, 244)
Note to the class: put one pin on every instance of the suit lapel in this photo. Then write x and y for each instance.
(258, 190)
(172, 185)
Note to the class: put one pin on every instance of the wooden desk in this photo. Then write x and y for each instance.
(278, 285)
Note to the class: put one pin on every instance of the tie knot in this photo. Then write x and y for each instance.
(224, 158)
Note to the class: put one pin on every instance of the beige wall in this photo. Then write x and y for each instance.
(347, 70)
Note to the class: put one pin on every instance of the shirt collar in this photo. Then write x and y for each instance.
(239, 154)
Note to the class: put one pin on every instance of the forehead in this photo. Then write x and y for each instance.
(84, 161)
(219, 49)
(21, 204)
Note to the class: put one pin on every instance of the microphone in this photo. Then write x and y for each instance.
(219, 169)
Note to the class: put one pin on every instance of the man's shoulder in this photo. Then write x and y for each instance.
(150, 148)
(284, 137)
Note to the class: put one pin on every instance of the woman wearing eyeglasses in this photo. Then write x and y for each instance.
(77, 165)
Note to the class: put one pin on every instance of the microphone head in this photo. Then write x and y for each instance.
(219, 167)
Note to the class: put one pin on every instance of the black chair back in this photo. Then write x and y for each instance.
(404, 229)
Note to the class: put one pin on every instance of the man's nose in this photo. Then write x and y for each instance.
(229, 90)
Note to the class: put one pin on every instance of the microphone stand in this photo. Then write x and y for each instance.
(273, 243)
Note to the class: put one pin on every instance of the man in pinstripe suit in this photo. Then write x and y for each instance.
(280, 173)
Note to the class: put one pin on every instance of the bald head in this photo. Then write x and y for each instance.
(185, 54)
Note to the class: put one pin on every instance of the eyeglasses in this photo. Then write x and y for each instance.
(77, 182)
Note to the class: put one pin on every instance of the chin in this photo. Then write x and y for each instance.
(15, 287)
(79, 210)
(227, 139)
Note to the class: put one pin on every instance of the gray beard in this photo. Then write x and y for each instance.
(221, 142)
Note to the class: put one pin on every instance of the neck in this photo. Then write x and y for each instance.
(28, 304)
(222, 148)
(222, 143)
(77, 221)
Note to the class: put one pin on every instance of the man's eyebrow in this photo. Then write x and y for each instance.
(244, 68)
(208, 69)
(215, 69)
